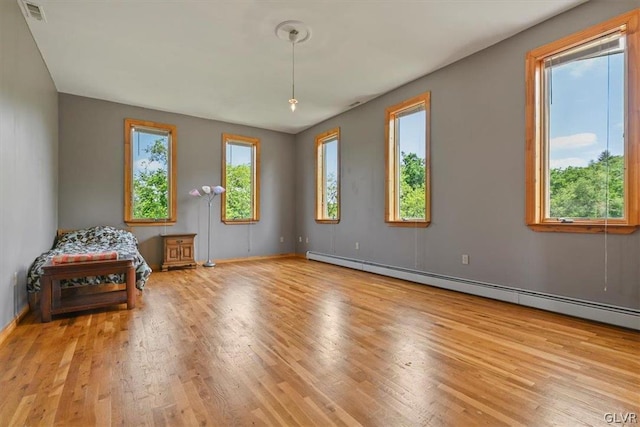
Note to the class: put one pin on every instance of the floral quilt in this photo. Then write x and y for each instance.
(90, 240)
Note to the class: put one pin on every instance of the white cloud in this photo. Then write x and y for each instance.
(576, 140)
(569, 161)
(152, 166)
(578, 68)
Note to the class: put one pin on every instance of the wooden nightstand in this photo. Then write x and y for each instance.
(178, 251)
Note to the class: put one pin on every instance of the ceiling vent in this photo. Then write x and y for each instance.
(33, 11)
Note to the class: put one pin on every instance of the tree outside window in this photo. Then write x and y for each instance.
(150, 175)
(328, 177)
(407, 163)
(240, 177)
(582, 172)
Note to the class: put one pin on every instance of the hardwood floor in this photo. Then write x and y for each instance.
(296, 342)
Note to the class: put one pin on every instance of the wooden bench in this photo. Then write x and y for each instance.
(51, 296)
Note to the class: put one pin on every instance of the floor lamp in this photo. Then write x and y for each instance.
(210, 193)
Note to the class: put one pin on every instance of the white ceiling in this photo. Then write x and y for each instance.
(222, 60)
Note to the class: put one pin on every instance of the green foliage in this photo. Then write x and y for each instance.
(412, 170)
(239, 189)
(332, 196)
(150, 186)
(581, 192)
(412, 186)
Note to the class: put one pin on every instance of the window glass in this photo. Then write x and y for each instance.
(407, 162)
(582, 130)
(328, 176)
(149, 172)
(410, 136)
(585, 138)
(240, 179)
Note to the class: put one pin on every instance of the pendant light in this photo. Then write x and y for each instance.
(294, 32)
(293, 37)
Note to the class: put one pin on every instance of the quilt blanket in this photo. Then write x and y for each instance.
(91, 240)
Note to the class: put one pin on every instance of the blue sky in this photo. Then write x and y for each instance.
(580, 101)
(142, 141)
(239, 154)
(331, 157)
(411, 129)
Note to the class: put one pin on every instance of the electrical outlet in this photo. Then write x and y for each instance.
(300, 239)
(357, 246)
(465, 259)
(281, 239)
(14, 279)
(306, 240)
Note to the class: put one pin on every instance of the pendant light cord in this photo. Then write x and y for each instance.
(293, 37)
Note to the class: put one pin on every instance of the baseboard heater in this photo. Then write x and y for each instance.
(620, 316)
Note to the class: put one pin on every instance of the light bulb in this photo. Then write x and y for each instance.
(293, 103)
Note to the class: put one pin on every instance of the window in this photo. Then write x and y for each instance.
(149, 173)
(583, 98)
(241, 178)
(328, 177)
(407, 163)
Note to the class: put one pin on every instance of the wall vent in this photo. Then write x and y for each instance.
(34, 11)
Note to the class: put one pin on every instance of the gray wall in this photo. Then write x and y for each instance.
(478, 189)
(91, 179)
(28, 158)
(478, 201)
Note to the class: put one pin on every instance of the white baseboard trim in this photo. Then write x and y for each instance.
(619, 316)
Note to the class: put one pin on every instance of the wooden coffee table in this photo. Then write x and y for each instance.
(52, 303)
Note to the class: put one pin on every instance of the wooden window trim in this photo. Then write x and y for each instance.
(255, 142)
(391, 162)
(321, 139)
(534, 167)
(128, 173)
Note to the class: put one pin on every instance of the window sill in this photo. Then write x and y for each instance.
(152, 223)
(327, 221)
(412, 224)
(239, 221)
(584, 228)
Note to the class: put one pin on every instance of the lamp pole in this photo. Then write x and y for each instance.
(209, 262)
(211, 193)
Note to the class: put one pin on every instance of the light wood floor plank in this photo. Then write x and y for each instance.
(295, 342)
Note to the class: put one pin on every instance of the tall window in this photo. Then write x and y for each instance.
(328, 177)
(149, 173)
(407, 162)
(241, 178)
(582, 130)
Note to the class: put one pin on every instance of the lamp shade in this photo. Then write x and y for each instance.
(207, 190)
